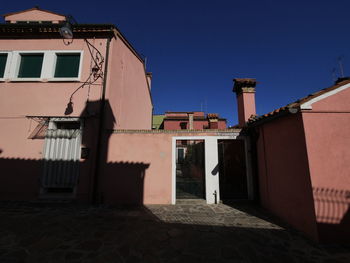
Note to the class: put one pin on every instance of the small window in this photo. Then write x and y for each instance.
(67, 65)
(3, 60)
(31, 65)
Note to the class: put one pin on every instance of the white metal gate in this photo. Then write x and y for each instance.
(61, 154)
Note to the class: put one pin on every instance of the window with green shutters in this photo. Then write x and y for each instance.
(30, 66)
(67, 65)
(3, 60)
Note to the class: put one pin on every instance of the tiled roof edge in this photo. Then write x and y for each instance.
(228, 131)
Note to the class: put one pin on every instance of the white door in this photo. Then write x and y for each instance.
(62, 151)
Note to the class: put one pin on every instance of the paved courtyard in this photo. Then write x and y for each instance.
(157, 233)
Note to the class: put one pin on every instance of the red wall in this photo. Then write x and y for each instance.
(327, 131)
(284, 178)
(197, 124)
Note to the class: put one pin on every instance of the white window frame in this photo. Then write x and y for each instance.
(7, 66)
(212, 183)
(48, 67)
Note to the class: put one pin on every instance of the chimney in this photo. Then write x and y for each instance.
(213, 119)
(245, 94)
(190, 120)
(149, 79)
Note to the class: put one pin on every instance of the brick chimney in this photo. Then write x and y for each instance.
(213, 119)
(245, 94)
(190, 121)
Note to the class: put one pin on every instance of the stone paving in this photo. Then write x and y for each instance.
(155, 233)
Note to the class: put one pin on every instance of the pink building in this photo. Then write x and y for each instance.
(192, 121)
(63, 86)
(303, 158)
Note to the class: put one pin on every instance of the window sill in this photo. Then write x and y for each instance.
(64, 80)
(41, 80)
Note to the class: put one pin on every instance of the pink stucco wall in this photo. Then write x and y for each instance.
(246, 106)
(127, 90)
(327, 128)
(34, 15)
(48, 98)
(138, 168)
(20, 156)
(284, 179)
(128, 102)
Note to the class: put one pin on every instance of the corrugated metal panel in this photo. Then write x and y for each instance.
(61, 158)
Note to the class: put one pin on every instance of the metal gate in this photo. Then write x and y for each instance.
(61, 155)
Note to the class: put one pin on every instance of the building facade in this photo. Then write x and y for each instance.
(196, 120)
(302, 159)
(62, 87)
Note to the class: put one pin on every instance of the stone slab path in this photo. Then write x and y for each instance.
(155, 233)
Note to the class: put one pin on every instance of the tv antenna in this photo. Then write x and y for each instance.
(334, 74)
(341, 69)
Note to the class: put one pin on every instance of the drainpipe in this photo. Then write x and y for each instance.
(100, 130)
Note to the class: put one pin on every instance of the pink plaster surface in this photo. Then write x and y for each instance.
(34, 15)
(47, 98)
(328, 141)
(337, 102)
(128, 90)
(284, 178)
(139, 168)
(20, 157)
(246, 107)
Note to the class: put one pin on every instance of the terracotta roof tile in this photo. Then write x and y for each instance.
(294, 106)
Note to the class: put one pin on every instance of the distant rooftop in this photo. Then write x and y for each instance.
(34, 14)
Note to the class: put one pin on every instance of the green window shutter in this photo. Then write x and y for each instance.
(30, 66)
(3, 59)
(67, 65)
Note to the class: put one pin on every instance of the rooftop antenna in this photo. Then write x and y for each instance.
(340, 62)
(334, 74)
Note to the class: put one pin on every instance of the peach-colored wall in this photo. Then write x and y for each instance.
(48, 98)
(246, 106)
(34, 15)
(21, 156)
(128, 91)
(284, 179)
(138, 168)
(337, 102)
(328, 141)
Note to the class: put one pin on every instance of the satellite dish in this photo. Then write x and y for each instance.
(66, 31)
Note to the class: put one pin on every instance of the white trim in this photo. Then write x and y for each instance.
(47, 69)
(7, 65)
(211, 161)
(308, 105)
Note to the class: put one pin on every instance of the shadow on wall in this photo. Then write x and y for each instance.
(124, 183)
(124, 180)
(332, 214)
(113, 183)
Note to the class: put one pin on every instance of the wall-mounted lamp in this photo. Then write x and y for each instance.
(66, 31)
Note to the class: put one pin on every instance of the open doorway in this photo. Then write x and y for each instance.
(190, 169)
(232, 170)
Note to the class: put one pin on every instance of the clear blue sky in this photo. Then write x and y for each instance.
(195, 48)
